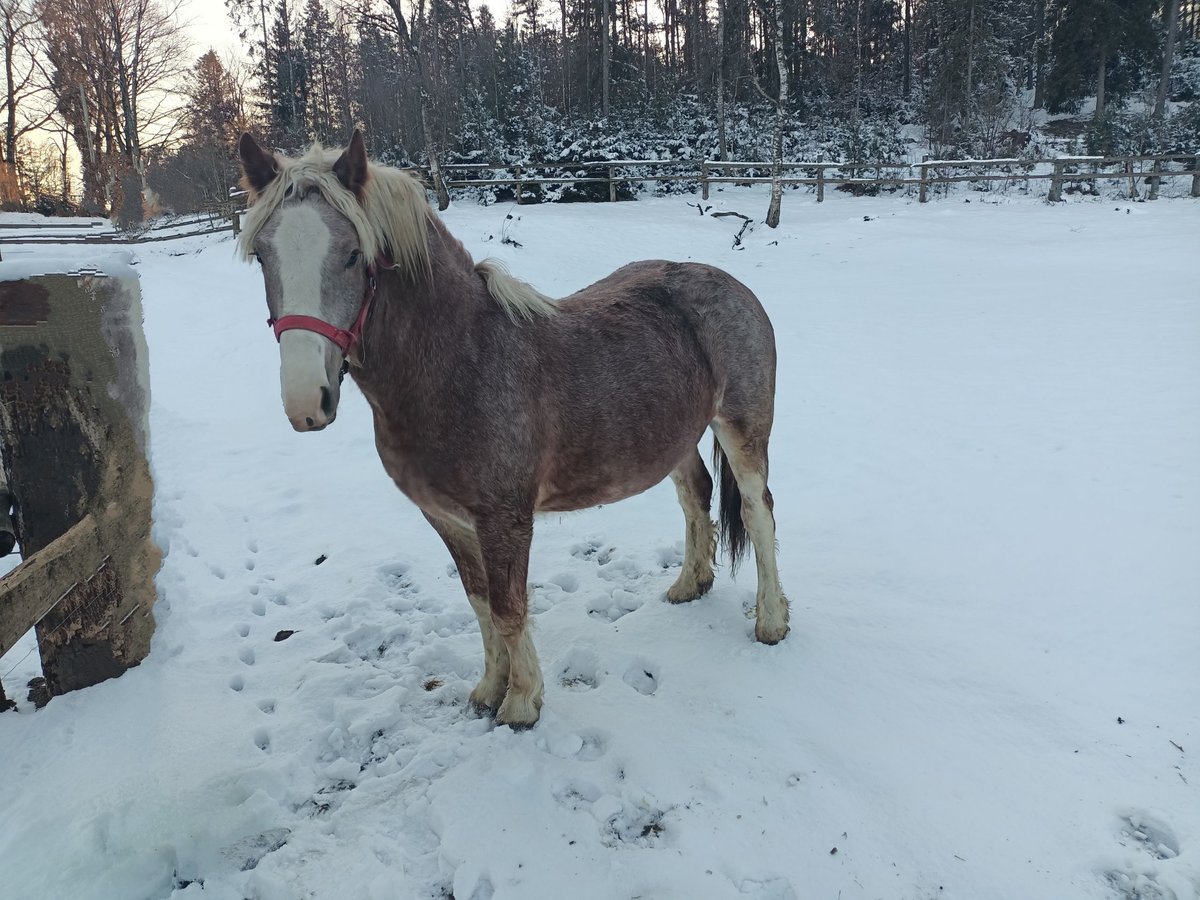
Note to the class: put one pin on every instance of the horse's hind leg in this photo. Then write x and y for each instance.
(745, 450)
(488, 694)
(694, 488)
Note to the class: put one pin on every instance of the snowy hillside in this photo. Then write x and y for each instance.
(986, 468)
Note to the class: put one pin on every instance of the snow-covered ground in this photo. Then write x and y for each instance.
(986, 468)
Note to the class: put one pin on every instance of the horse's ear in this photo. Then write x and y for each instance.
(258, 167)
(351, 166)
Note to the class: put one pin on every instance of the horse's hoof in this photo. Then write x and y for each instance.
(680, 592)
(481, 710)
(487, 698)
(770, 636)
(519, 713)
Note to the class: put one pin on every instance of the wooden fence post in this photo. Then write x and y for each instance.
(1196, 176)
(1155, 168)
(820, 184)
(924, 194)
(1056, 182)
(612, 188)
(520, 185)
(1133, 191)
(704, 179)
(74, 405)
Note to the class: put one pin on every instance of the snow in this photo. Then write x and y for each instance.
(986, 469)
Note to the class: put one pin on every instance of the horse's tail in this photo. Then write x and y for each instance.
(731, 527)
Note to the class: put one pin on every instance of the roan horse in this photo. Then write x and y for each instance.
(493, 403)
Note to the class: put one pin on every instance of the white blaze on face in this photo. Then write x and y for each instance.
(300, 244)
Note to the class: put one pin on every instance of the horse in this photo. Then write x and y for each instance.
(492, 403)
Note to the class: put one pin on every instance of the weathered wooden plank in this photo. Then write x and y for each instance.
(35, 588)
(74, 398)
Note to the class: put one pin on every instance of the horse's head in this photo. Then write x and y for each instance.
(318, 277)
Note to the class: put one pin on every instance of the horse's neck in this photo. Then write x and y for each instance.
(422, 325)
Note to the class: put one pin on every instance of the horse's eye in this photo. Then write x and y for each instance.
(258, 259)
(353, 259)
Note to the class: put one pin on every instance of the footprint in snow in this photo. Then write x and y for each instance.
(1149, 834)
(577, 795)
(237, 683)
(246, 655)
(568, 583)
(642, 677)
(592, 549)
(243, 631)
(768, 889)
(632, 824)
(262, 739)
(671, 557)
(614, 605)
(579, 669)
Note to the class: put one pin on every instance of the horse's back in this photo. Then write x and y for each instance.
(720, 314)
(636, 367)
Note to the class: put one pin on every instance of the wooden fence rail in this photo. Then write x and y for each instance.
(820, 175)
(702, 174)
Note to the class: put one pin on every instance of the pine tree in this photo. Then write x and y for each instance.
(1091, 38)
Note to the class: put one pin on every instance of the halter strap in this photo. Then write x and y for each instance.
(346, 340)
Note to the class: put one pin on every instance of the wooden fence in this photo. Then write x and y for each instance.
(702, 174)
(1062, 174)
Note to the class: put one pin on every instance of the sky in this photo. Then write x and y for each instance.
(209, 26)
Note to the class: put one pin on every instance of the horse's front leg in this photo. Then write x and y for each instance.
(464, 550)
(504, 539)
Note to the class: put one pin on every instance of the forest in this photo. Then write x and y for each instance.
(108, 110)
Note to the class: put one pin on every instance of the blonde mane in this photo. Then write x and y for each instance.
(390, 220)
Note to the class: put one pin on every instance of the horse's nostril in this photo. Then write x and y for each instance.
(326, 401)
(308, 421)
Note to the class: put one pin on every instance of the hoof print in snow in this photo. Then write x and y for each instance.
(671, 557)
(640, 827)
(611, 607)
(640, 676)
(1148, 834)
(769, 889)
(579, 670)
(577, 795)
(247, 853)
(567, 583)
(1136, 886)
(588, 549)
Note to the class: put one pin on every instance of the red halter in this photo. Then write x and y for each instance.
(346, 340)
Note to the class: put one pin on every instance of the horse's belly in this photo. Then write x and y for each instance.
(595, 474)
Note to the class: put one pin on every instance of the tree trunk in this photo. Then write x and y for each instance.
(1039, 55)
(721, 145)
(435, 170)
(970, 56)
(780, 114)
(604, 54)
(907, 49)
(1103, 54)
(1164, 81)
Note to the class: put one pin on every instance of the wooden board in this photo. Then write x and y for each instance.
(74, 399)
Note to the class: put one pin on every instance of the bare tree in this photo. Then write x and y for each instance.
(24, 88)
(113, 64)
(412, 45)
